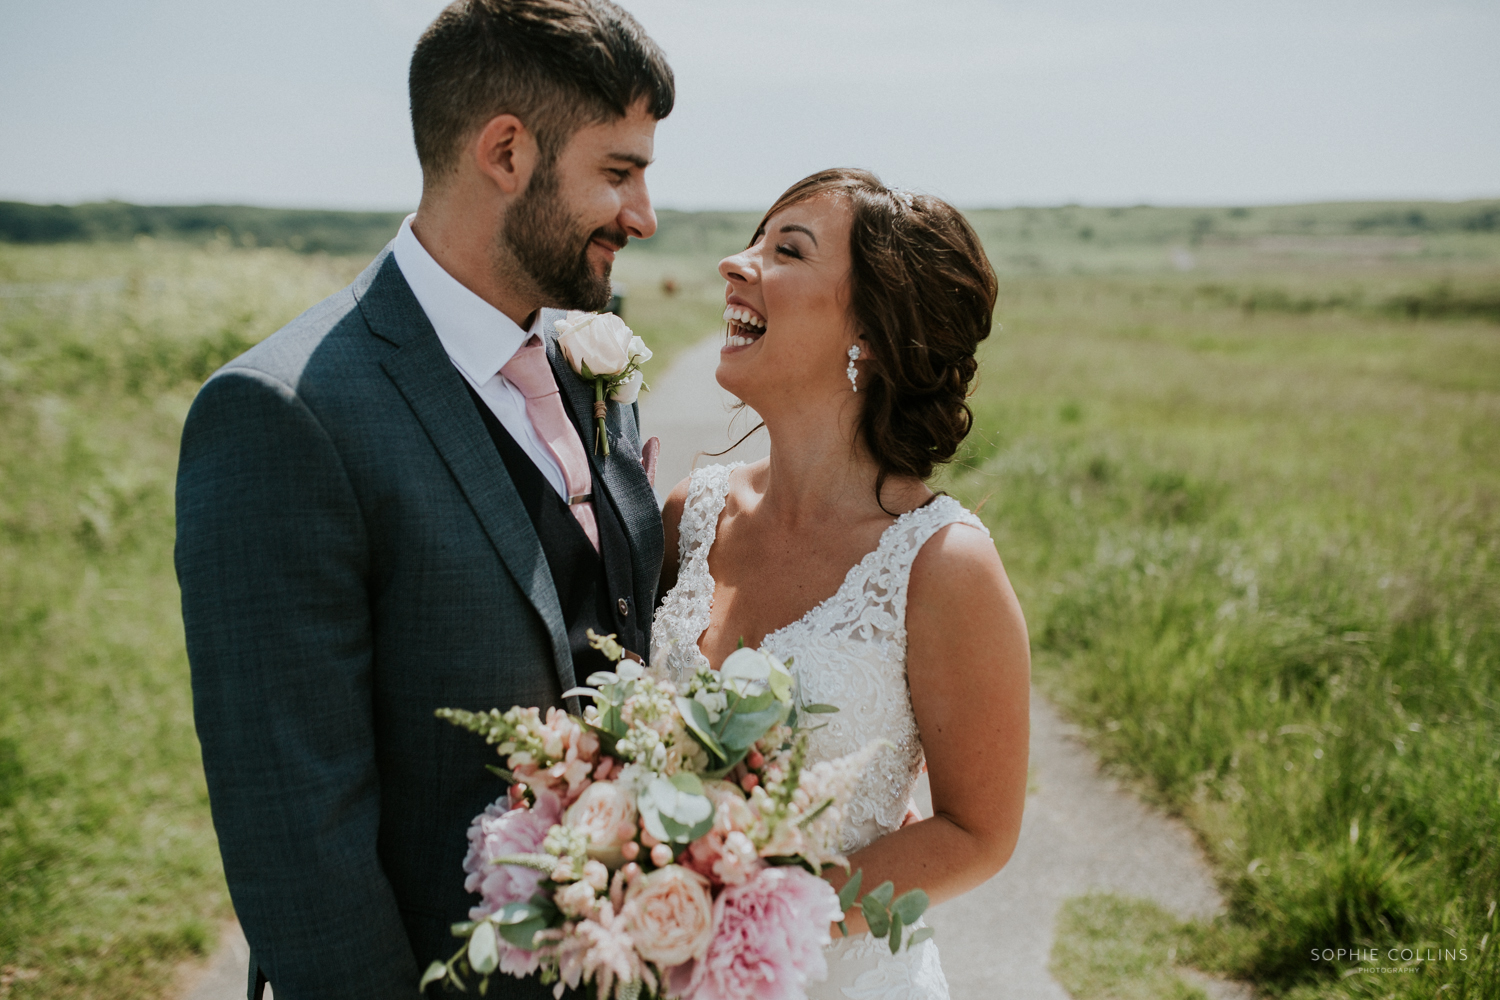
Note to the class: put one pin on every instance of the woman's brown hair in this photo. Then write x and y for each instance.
(922, 295)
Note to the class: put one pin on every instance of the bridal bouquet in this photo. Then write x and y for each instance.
(666, 844)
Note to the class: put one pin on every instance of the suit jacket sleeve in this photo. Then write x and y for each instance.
(272, 558)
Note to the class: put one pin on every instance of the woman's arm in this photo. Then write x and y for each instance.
(969, 667)
(671, 517)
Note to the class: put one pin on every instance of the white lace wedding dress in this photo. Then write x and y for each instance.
(849, 651)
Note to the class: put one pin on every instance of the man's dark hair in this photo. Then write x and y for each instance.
(555, 64)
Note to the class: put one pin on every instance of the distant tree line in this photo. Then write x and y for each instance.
(720, 233)
(307, 231)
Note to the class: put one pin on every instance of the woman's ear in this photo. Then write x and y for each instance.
(505, 151)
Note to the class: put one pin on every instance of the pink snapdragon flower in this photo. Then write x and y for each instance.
(769, 936)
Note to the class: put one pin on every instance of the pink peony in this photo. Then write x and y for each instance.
(769, 936)
(497, 832)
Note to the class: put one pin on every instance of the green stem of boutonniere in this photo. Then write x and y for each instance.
(601, 439)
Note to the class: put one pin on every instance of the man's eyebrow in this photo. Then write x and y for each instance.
(792, 227)
(632, 159)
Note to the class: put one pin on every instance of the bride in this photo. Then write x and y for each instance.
(854, 316)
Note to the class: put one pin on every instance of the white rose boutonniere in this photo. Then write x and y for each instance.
(601, 348)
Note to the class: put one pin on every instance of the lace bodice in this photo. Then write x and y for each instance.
(849, 651)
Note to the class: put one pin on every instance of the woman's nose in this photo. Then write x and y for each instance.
(739, 267)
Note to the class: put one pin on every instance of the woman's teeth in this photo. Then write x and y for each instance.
(735, 340)
(744, 317)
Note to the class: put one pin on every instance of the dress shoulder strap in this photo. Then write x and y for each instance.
(904, 539)
(707, 489)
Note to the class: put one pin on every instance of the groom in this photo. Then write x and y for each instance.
(388, 507)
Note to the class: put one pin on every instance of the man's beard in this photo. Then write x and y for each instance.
(542, 236)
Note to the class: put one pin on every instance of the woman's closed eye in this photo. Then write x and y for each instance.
(787, 250)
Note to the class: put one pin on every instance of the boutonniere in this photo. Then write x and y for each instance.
(602, 350)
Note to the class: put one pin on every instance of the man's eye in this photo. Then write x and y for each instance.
(621, 176)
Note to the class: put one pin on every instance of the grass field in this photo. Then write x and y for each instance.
(1243, 473)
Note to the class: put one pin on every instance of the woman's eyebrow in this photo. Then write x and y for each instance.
(792, 227)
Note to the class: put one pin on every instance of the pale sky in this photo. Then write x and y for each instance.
(302, 103)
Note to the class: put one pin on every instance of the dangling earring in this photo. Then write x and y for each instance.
(851, 371)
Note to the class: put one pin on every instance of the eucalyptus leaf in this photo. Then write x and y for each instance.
(581, 692)
(683, 833)
(876, 916)
(820, 709)
(687, 782)
(754, 703)
(742, 731)
(435, 973)
(897, 926)
(484, 950)
(519, 923)
(918, 936)
(910, 906)
(463, 929)
(652, 819)
(523, 935)
(729, 762)
(850, 892)
(883, 892)
(696, 718)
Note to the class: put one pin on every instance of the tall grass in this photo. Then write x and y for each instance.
(1259, 554)
(109, 869)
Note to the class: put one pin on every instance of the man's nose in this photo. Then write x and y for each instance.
(637, 217)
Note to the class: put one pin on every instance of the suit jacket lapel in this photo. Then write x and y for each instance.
(434, 390)
(619, 472)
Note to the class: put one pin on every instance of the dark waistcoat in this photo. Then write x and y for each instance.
(593, 587)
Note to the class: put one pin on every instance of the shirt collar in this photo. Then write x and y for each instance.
(478, 338)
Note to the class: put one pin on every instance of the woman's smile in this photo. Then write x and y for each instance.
(746, 326)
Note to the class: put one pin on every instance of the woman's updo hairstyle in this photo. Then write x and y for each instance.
(922, 294)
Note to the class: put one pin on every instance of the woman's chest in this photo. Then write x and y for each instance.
(763, 583)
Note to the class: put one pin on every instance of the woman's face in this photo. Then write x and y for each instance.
(787, 307)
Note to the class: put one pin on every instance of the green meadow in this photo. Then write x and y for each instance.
(1243, 465)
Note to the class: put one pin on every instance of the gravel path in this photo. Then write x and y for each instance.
(1081, 831)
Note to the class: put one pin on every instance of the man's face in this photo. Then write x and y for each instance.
(573, 217)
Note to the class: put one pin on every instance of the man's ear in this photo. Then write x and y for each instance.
(505, 151)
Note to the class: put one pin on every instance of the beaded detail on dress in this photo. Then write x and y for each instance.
(849, 651)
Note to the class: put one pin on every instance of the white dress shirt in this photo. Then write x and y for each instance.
(479, 339)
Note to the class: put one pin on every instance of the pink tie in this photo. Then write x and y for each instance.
(529, 371)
